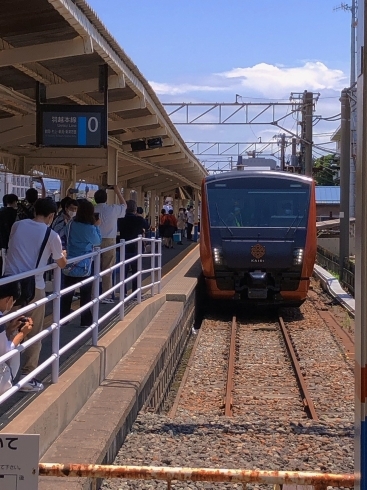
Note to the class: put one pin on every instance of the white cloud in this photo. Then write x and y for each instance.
(270, 81)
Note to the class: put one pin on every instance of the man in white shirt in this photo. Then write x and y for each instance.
(108, 214)
(25, 243)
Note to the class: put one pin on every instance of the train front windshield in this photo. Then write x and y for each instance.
(258, 202)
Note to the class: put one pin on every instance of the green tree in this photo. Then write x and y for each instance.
(325, 170)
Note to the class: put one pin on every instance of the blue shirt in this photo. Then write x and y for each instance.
(82, 237)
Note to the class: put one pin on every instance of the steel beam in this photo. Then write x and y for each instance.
(231, 112)
(164, 187)
(156, 168)
(133, 122)
(14, 134)
(49, 51)
(71, 160)
(168, 147)
(148, 133)
(82, 87)
(166, 158)
(17, 122)
(137, 182)
(127, 105)
(133, 174)
(182, 163)
(63, 153)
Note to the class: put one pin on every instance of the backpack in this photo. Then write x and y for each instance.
(25, 211)
(6, 222)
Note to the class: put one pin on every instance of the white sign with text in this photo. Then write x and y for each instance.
(19, 458)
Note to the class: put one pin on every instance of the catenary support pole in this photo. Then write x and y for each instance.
(294, 153)
(353, 112)
(152, 210)
(112, 171)
(196, 216)
(308, 107)
(360, 459)
(344, 180)
(282, 152)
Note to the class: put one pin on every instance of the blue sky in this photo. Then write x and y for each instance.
(211, 50)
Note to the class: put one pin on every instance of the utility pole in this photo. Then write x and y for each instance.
(282, 152)
(307, 130)
(353, 116)
(344, 180)
(294, 161)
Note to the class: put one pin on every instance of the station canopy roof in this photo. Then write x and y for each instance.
(62, 44)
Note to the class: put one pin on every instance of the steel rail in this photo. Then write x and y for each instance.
(344, 336)
(307, 400)
(317, 479)
(228, 400)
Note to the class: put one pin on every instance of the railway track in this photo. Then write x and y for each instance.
(258, 392)
(258, 373)
(276, 390)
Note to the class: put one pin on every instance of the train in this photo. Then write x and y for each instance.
(258, 236)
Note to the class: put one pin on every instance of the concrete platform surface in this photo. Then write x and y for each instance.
(110, 378)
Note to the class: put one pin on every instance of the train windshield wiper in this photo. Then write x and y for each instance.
(299, 217)
(299, 222)
(222, 220)
(292, 224)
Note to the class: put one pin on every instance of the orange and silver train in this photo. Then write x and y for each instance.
(258, 236)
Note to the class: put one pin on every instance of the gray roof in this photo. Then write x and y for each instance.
(328, 194)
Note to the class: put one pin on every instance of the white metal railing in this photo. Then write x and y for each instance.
(155, 271)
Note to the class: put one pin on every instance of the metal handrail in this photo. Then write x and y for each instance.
(154, 270)
(318, 480)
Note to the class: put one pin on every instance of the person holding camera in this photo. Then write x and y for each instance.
(82, 235)
(108, 214)
(26, 208)
(11, 334)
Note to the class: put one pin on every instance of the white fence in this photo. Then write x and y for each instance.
(154, 270)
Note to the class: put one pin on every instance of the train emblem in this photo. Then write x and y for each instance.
(258, 251)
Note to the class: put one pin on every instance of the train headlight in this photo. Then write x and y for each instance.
(297, 256)
(218, 256)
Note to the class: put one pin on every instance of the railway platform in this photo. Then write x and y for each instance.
(101, 389)
(20, 400)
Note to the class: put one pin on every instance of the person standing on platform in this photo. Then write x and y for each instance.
(108, 214)
(170, 226)
(130, 227)
(140, 212)
(69, 208)
(31, 242)
(190, 222)
(26, 208)
(181, 223)
(167, 206)
(82, 235)
(8, 215)
(161, 225)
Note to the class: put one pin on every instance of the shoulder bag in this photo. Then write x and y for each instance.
(28, 284)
